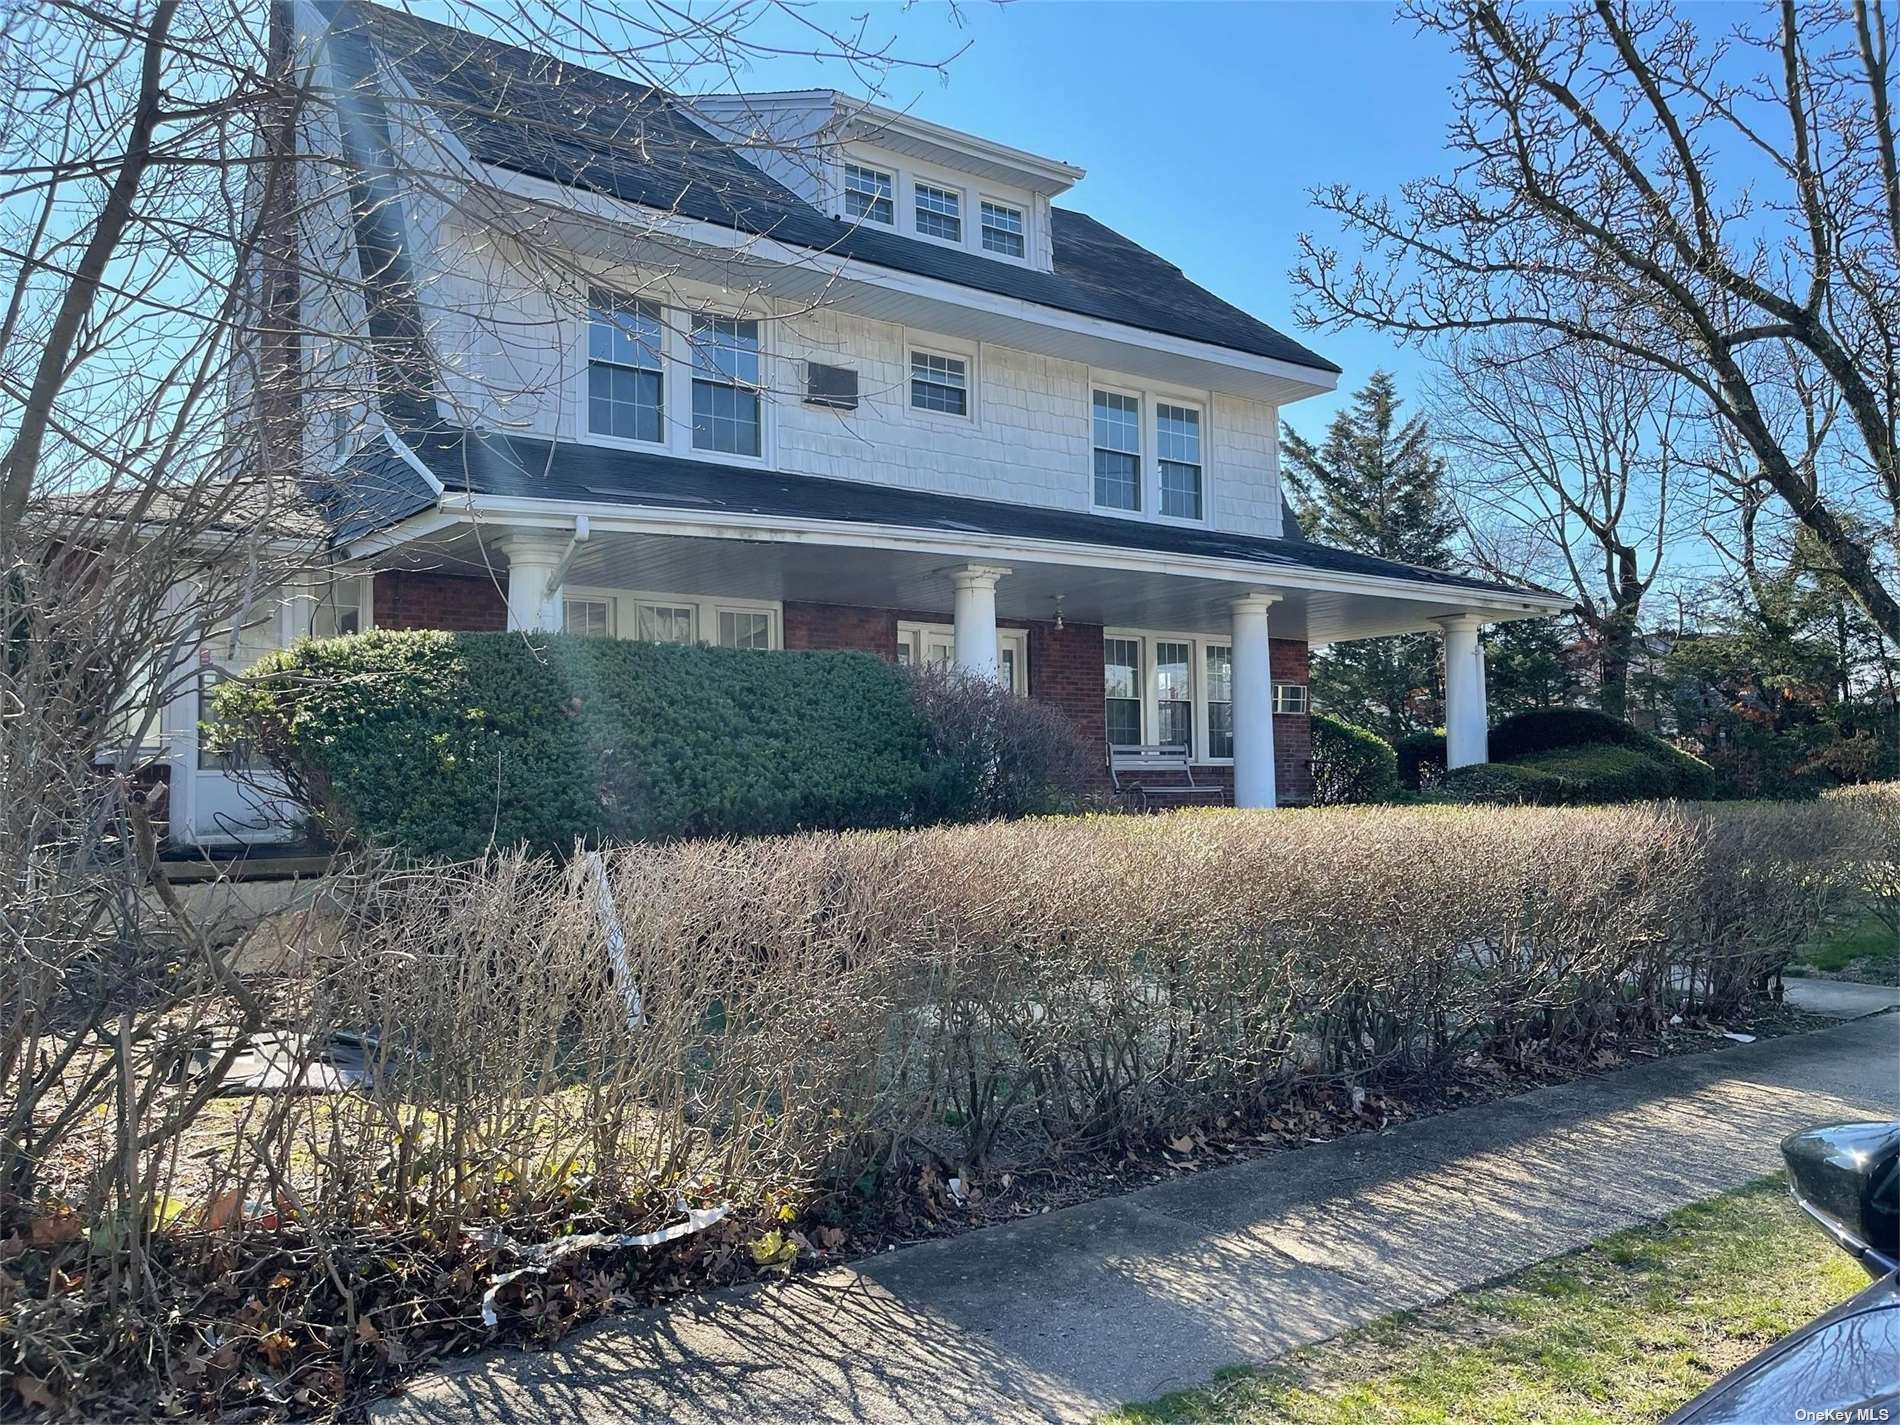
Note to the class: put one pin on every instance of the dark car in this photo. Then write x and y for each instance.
(1844, 1366)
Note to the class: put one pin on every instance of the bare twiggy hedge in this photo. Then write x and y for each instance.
(766, 1021)
(817, 1006)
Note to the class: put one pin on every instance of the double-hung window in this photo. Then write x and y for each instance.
(868, 194)
(626, 384)
(1219, 683)
(1178, 450)
(939, 383)
(939, 212)
(1117, 421)
(1174, 693)
(1002, 228)
(726, 383)
(1121, 671)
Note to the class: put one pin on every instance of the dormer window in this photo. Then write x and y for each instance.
(939, 213)
(1002, 229)
(868, 195)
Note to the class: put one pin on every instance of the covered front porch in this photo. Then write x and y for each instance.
(1205, 650)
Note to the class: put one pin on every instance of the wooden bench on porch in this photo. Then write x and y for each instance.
(1134, 770)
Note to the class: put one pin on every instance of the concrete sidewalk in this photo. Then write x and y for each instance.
(1839, 999)
(1061, 1316)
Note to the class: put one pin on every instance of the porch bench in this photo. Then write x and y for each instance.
(1129, 769)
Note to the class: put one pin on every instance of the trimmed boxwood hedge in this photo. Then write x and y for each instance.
(1572, 776)
(445, 743)
(1566, 756)
(1351, 764)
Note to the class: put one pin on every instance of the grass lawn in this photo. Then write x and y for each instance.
(1621, 1331)
(1863, 946)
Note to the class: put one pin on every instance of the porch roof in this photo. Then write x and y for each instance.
(567, 473)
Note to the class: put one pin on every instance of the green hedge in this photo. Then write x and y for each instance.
(1421, 759)
(1560, 756)
(1572, 776)
(1351, 764)
(444, 744)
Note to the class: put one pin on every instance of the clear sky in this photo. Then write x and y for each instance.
(1202, 125)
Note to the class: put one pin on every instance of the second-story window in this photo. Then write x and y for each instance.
(725, 385)
(1117, 451)
(1002, 229)
(1178, 449)
(625, 383)
(867, 195)
(939, 383)
(939, 213)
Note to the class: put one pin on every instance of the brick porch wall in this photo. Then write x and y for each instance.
(406, 599)
(1065, 669)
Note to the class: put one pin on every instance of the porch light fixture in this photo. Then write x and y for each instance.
(1058, 613)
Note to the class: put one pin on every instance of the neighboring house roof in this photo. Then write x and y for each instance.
(520, 466)
(531, 113)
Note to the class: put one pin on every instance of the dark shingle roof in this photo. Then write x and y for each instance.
(566, 470)
(531, 113)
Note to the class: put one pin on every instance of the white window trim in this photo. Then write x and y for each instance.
(1141, 449)
(1198, 644)
(625, 604)
(1017, 207)
(676, 390)
(1150, 395)
(883, 171)
(951, 351)
(912, 181)
(1017, 639)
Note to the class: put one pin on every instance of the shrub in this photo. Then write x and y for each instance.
(1574, 776)
(989, 753)
(443, 744)
(1539, 730)
(825, 1015)
(1350, 764)
(1421, 759)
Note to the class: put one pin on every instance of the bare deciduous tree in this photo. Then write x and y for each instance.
(1722, 207)
(1567, 472)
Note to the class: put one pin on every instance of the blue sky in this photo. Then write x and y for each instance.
(1201, 125)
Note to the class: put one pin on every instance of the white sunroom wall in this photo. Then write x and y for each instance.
(514, 358)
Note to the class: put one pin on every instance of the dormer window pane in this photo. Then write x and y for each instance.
(939, 213)
(939, 383)
(725, 385)
(1178, 447)
(1117, 451)
(867, 195)
(625, 386)
(1002, 229)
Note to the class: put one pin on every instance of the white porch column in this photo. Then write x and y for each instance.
(1467, 720)
(534, 559)
(975, 616)
(1254, 782)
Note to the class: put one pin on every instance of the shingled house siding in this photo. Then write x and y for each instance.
(446, 601)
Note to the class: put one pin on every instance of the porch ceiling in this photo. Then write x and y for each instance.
(920, 582)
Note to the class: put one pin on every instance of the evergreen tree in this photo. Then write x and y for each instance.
(1374, 486)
